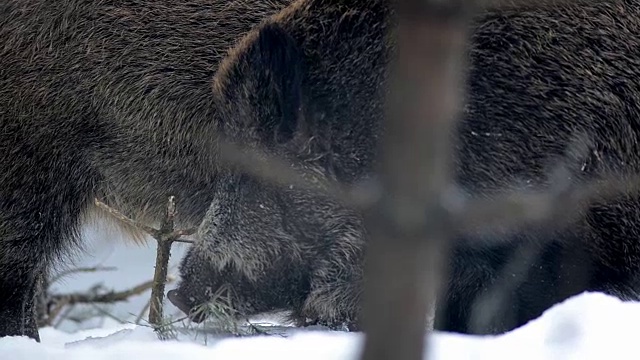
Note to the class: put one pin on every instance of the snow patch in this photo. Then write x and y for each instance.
(586, 326)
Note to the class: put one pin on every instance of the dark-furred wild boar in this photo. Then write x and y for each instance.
(309, 86)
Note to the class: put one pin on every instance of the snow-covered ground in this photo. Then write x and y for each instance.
(588, 326)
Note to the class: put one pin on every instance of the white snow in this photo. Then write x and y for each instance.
(587, 326)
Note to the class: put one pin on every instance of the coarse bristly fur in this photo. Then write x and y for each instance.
(284, 247)
(103, 99)
(309, 85)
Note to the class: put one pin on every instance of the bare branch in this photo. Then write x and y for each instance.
(61, 301)
(185, 232)
(63, 274)
(512, 210)
(118, 215)
(266, 167)
(166, 236)
(109, 297)
(141, 313)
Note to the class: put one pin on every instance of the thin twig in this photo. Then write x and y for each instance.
(509, 211)
(140, 316)
(274, 170)
(176, 234)
(155, 233)
(107, 314)
(109, 297)
(120, 216)
(506, 211)
(59, 319)
(66, 273)
(166, 236)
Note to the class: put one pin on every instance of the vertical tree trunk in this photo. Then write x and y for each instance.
(410, 225)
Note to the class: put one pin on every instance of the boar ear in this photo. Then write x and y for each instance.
(260, 84)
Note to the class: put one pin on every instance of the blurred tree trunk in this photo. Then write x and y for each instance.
(410, 225)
